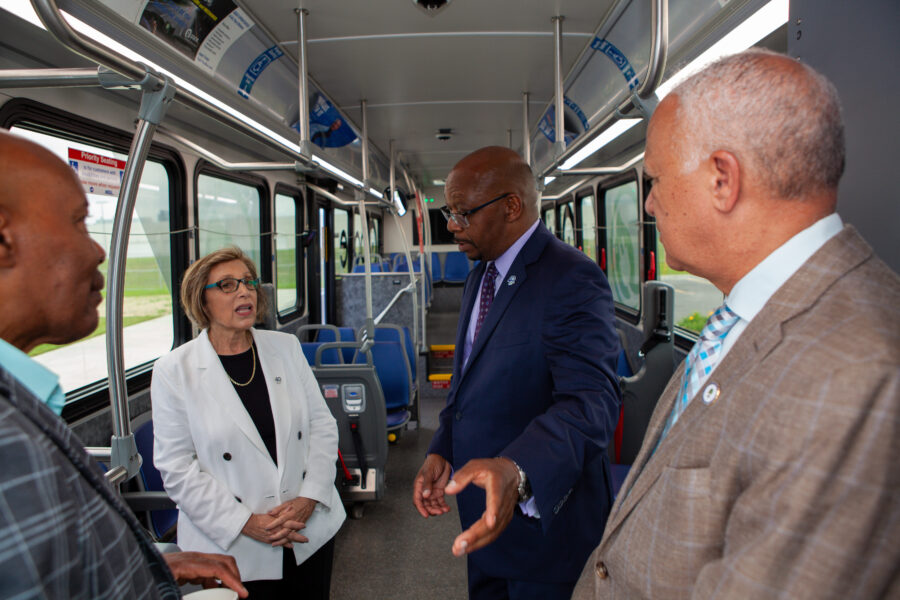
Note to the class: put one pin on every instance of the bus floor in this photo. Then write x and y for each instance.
(392, 552)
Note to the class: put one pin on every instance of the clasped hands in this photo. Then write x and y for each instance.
(281, 526)
(497, 476)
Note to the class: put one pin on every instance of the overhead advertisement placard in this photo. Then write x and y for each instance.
(98, 174)
(184, 24)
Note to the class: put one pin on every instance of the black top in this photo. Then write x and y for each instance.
(254, 395)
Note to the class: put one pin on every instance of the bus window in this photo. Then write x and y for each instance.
(588, 223)
(341, 241)
(374, 235)
(286, 253)
(228, 215)
(147, 299)
(695, 297)
(550, 219)
(357, 237)
(623, 244)
(567, 221)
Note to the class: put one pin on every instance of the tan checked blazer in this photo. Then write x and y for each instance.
(786, 485)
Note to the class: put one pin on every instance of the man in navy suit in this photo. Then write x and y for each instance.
(534, 397)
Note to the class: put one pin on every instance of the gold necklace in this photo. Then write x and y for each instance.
(252, 373)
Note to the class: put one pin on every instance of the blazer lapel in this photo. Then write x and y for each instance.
(462, 326)
(276, 382)
(843, 252)
(510, 285)
(215, 381)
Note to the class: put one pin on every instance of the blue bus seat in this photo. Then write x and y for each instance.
(376, 268)
(332, 333)
(456, 267)
(161, 514)
(385, 332)
(437, 274)
(391, 366)
(330, 357)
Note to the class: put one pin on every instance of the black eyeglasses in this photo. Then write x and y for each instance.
(229, 285)
(461, 218)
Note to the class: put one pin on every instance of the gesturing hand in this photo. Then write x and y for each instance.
(500, 480)
(428, 487)
(205, 569)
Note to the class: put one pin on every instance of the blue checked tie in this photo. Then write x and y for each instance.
(487, 297)
(701, 360)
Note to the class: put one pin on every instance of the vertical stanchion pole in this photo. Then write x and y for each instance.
(303, 87)
(526, 132)
(559, 146)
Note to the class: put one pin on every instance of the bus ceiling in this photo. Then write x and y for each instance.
(247, 64)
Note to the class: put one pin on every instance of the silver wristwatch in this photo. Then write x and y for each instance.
(524, 485)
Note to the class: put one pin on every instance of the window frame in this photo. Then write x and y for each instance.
(49, 120)
(266, 199)
(624, 312)
(299, 248)
(566, 208)
(580, 195)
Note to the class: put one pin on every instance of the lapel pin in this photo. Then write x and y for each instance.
(710, 393)
(278, 380)
(511, 280)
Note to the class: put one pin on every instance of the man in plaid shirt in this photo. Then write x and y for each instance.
(64, 533)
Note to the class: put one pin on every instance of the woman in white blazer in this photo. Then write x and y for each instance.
(244, 440)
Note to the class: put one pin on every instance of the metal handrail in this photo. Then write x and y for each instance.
(659, 49)
(232, 166)
(409, 289)
(116, 475)
(38, 78)
(337, 199)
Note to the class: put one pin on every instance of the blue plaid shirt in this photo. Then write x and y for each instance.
(64, 533)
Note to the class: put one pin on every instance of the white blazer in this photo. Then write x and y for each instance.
(214, 464)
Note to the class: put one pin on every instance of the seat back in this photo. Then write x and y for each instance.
(347, 335)
(393, 372)
(162, 522)
(387, 332)
(354, 396)
(375, 268)
(313, 336)
(456, 267)
(330, 357)
(437, 273)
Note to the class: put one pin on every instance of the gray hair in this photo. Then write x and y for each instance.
(784, 124)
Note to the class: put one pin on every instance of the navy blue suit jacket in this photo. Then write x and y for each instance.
(540, 387)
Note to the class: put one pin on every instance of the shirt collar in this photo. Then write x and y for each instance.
(505, 260)
(755, 288)
(39, 380)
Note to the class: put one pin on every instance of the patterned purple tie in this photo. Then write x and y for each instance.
(487, 297)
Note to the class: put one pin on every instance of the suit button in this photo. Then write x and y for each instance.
(304, 474)
(299, 435)
(238, 499)
(227, 456)
(600, 570)
(459, 415)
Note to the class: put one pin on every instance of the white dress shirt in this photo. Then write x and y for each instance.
(754, 289)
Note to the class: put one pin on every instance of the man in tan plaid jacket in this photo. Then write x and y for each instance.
(778, 476)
